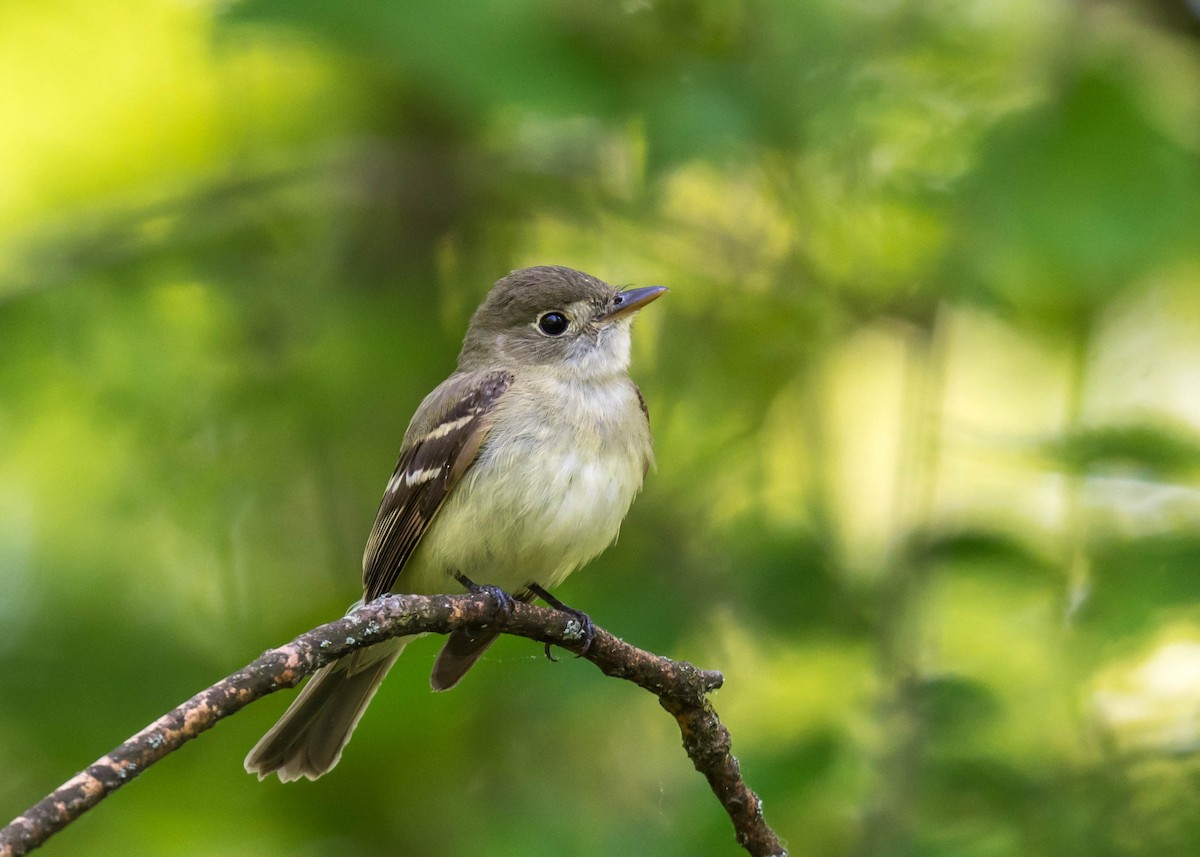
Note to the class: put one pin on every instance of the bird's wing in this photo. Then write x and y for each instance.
(441, 445)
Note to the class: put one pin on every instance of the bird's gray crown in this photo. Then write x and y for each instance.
(520, 297)
(506, 328)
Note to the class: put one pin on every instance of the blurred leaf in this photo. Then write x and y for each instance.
(980, 550)
(1150, 451)
(807, 762)
(470, 54)
(953, 707)
(1075, 200)
(706, 79)
(797, 591)
(982, 785)
(1136, 584)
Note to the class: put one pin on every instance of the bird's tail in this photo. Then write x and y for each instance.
(309, 737)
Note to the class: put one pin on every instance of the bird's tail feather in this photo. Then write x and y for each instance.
(459, 654)
(308, 739)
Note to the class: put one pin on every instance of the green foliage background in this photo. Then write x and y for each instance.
(926, 396)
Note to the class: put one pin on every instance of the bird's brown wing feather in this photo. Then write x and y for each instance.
(441, 446)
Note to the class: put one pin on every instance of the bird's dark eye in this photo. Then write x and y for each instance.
(553, 323)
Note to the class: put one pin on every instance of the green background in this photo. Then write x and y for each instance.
(925, 393)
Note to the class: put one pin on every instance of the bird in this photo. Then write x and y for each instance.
(515, 471)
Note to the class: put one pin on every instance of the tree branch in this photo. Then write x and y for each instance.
(681, 688)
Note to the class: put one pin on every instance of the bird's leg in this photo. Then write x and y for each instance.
(587, 628)
(502, 598)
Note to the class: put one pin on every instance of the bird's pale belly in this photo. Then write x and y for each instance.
(532, 515)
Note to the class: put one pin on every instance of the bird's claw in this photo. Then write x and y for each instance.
(587, 628)
(504, 601)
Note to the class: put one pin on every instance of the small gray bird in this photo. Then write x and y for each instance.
(514, 472)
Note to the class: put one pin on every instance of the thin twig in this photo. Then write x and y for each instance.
(681, 688)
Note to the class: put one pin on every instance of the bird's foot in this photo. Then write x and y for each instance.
(504, 601)
(587, 628)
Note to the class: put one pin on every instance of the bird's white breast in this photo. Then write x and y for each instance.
(553, 482)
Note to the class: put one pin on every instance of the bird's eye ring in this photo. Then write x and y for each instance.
(553, 323)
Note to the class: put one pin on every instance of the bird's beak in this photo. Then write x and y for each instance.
(631, 300)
